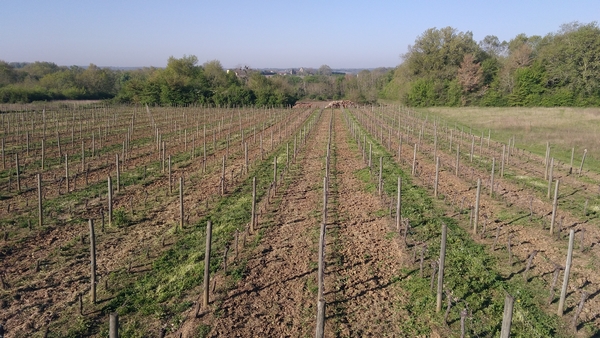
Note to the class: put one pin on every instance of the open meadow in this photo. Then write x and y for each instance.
(269, 222)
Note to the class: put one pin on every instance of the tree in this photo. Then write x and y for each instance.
(437, 53)
(181, 82)
(186, 66)
(572, 58)
(493, 47)
(214, 73)
(521, 56)
(99, 83)
(61, 81)
(7, 74)
(529, 86)
(470, 74)
(325, 70)
(37, 70)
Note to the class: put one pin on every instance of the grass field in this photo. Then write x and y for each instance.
(564, 128)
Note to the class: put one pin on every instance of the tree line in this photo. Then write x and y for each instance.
(445, 67)
(183, 81)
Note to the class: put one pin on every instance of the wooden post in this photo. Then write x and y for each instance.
(207, 263)
(572, 155)
(472, 148)
(204, 151)
(380, 175)
(434, 140)
(253, 220)
(67, 171)
(223, 177)
(440, 285)
(437, 176)
(40, 210)
(457, 158)
(503, 158)
(400, 150)
(321, 273)
(113, 330)
(327, 161)
(169, 176)
(181, 211)
(163, 157)
(227, 152)
(492, 177)
(476, 215)
(82, 156)
(18, 174)
(399, 205)
(554, 207)
(370, 154)
(43, 153)
(246, 158)
(110, 200)
(275, 173)
(117, 162)
(563, 293)
(582, 160)
(58, 143)
(92, 261)
(550, 177)
(414, 164)
(507, 317)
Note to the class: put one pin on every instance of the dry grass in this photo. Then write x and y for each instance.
(563, 127)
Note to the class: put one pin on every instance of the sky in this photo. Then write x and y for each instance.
(260, 33)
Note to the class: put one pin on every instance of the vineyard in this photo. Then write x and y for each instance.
(271, 222)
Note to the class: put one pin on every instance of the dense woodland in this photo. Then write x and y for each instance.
(444, 67)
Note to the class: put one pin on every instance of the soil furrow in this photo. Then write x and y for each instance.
(276, 297)
(367, 258)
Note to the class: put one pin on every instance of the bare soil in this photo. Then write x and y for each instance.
(277, 297)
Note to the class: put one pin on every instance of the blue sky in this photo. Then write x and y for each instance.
(259, 33)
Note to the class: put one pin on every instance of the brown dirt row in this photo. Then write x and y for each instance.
(274, 298)
(364, 298)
